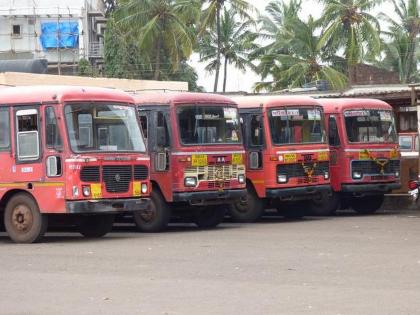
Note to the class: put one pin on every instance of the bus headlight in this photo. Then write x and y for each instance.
(143, 188)
(241, 179)
(75, 191)
(357, 175)
(190, 182)
(397, 174)
(326, 175)
(282, 178)
(86, 191)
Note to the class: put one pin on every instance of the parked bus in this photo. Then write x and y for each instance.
(365, 159)
(197, 157)
(287, 155)
(69, 150)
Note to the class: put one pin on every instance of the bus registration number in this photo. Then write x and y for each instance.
(199, 160)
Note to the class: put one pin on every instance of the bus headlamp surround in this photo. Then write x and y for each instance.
(190, 181)
(281, 178)
(357, 175)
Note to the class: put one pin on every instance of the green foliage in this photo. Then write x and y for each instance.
(401, 51)
(237, 41)
(85, 69)
(294, 56)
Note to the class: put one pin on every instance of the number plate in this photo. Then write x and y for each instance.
(290, 158)
(323, 156)
(199, 160)
(237, 158)
(136, 189)
(96, 191)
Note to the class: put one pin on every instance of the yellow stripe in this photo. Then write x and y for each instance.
(13, 185)
(260, 181)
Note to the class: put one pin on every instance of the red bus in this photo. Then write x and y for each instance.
(287, 155)
(197, 157)
(365, 158)
(69, 150)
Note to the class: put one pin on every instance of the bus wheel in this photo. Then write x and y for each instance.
(95, 226)
(156, 217)
(325, 206)
(23, 221)
(210, 217)
(294, 210)
(248, 209)
(368, 204)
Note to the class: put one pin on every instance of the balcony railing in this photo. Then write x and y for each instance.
(96, 50)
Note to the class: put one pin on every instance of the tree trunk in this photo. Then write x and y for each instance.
(225, 75)
(156, 76)
(351, 70)
(216, 79)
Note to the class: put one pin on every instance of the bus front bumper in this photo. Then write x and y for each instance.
(107, 205)
(298, 193)
(209, 197)
(366, 189)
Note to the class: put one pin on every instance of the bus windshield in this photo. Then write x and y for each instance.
(291, 125)
(101, 127)
(209, 125)
(370, 126)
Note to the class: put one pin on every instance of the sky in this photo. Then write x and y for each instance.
(238, 81)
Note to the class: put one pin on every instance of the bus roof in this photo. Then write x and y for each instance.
(335, 105)
(273, 101)
(174, 98)
(51, 93)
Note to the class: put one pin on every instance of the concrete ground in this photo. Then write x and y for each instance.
(346, 264)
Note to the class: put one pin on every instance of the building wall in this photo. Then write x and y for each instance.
(30, 14)
(365, 74)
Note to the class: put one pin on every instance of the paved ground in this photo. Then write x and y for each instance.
(342, 265)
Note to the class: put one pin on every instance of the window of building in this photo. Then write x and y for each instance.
(16, 30)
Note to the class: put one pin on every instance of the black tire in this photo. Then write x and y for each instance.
(294, 210)
(368, 204)
(96, 226)
(23, 221)
(325, 206)
(210, 217)
(156, 218)
(247, 209)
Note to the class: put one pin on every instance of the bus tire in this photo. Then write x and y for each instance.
(23, 221)
(368, 204)
(248, 209)
(96, 226)
(325, 206)
(210, 216)
(156, 218)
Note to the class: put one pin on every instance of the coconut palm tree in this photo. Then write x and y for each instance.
(237, 41)
(212, 17)
(348, 25)
(295, 56)
(402, 50)
(161, 26)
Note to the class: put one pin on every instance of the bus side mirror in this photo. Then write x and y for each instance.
(53, 166)
(161, 136)
(254, 160)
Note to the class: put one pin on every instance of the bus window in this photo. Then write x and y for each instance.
(4, 129)
(405, 143)
(27, 134)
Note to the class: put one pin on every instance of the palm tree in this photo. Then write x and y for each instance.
(272, 32)
(401, 51)
(349, 26)
(212, 16)
(161, 27)
(236, 43)
(295, 57)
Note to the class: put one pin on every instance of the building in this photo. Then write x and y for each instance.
(62, 32)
